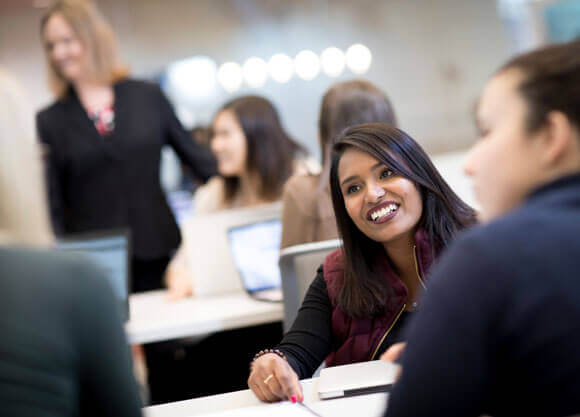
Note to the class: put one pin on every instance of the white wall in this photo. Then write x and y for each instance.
(431, 57)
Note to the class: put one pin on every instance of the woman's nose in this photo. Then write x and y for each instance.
(468, 163)
(215, 145)
(58, 51)
(375, 192)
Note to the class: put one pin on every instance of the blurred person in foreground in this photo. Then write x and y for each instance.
(499, 332)
(63, 351)
(104, 135)
(307, 214)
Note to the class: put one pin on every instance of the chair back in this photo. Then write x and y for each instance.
(298, 265)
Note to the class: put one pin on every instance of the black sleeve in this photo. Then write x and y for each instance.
(54, 178)
(447, 358)
(200, 160)
(309, 340)
(108, 386)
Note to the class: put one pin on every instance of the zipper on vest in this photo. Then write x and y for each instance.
(417, 267)
(404, 305)
(373, 357)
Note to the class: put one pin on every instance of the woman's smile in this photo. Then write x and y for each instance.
(383, 212)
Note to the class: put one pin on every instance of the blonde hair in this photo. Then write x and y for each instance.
(97, 38)
(23, 214)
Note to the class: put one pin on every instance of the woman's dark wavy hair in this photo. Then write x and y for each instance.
(365, 292)
(271, 151)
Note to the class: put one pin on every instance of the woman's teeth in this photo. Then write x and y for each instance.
(385, 211)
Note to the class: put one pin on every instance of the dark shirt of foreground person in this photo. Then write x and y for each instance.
(499, 332)
(63, 351)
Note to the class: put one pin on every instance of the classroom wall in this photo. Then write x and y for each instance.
(431, 57)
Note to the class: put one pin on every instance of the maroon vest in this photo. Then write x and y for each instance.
(356, 340)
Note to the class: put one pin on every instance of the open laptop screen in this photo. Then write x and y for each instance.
(110, 252)
(255, 249)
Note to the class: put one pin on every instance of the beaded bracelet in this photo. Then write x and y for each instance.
(266, 351)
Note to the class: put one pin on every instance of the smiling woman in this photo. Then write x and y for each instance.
(79, 44)
(255, 156)
(374, 195)
(104, 134)
(395, 214)
(388, 172)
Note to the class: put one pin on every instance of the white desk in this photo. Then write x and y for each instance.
(372, 405)
(153, 318)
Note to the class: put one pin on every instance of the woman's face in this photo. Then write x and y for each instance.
(504, 163)
(384, 206)
(229, 144)
(64, 49)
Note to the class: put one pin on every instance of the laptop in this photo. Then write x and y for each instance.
(357, 379)
(110, 252)
(255, 249)
(207, 247)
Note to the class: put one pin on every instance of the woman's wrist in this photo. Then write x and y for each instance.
(263, 352)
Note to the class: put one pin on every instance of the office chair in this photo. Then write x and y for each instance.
(298, 265)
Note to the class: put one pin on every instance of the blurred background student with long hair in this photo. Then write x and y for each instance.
(63, 348)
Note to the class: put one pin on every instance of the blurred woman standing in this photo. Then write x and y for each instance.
(104, 135)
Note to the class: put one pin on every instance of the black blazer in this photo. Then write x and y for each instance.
(98, 183)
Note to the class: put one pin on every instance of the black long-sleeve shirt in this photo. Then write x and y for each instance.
(499, 330)
(310, 339)
(63, 351)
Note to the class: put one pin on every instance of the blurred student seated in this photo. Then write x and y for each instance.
(499, 332)
(307, 214)
(63, 351)
(255, 157)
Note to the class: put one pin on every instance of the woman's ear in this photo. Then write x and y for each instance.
(559, 141)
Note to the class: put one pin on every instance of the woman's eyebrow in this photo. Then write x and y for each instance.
(377, 166)
(352, 177)
(373, 168)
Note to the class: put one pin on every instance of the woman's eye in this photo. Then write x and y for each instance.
(386, 173)
(352, 189)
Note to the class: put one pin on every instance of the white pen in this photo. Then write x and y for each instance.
(309, 409)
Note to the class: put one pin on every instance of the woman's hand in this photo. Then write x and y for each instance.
(273, 379)
(178, 282)
(394, 352)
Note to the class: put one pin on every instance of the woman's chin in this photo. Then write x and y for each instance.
(71, 75)
(228, 173)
